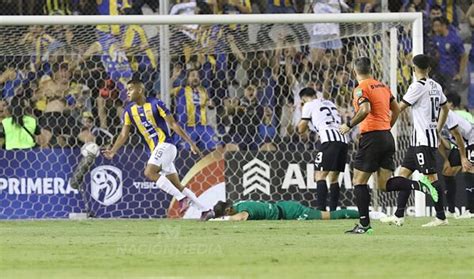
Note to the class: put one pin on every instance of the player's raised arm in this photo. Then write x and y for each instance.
(121, 140)
(178, 130)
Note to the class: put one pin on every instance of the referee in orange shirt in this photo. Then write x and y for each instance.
(376, 112)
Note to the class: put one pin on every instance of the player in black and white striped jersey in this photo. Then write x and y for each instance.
(332, 155)
(459, 142)
(429, 112)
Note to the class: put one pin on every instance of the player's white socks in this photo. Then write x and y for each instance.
(165, 184)
(190, 194)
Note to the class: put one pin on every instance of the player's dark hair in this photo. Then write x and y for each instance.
(422, 61)
(307, 92)
(441, 19)
(362, 65)
(454, 99)
(135, 82)
(220, 208)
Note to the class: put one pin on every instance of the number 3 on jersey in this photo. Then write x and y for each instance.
(333, 113)
(319, 158)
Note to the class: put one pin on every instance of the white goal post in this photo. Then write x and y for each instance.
(413, 19)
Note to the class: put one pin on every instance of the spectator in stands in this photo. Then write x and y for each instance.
(192, 104)
(449, 9)
(109, 106)
(39, 42)
(90, 133)
(452, 59)
(21, 130)
(12, 77)
(142, 58)
(108, 48)
(364, 6)
(281, 7)
(233, 7)
(55, 7)
(79, 97)
(84, 7)
(183, 37)
(56, 118)
(249, 115)
(325, 35)
(267, 132)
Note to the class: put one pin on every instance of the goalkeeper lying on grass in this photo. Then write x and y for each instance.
(283, 210)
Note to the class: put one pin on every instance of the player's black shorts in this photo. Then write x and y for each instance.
(420, 158)
(331, 156)
(376, 150)
(454, 158)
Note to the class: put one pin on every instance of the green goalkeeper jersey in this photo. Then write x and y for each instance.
(258, 210)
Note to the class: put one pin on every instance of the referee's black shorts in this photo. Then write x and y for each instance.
(376, 150)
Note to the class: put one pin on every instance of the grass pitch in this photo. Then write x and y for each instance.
(258, 249)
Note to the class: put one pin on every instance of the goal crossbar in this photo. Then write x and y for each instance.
(210, 19)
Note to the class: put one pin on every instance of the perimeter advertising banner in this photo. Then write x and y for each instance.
(287, 175)
(35, 184)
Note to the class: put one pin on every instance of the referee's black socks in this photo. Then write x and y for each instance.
(321, 194)
(362, 199)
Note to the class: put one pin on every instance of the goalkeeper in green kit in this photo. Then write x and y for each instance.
(283, 210)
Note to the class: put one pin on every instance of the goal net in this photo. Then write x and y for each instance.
(232, 82)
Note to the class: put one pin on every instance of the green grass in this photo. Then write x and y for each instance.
(270, 249)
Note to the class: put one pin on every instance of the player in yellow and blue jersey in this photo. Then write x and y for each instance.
(153, 121)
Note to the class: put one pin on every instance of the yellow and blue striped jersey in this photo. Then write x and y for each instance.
(135, 37)
(150, 121)
(111, 7)
(191, 106)
(57, 7)
(281, 3)
(41, 46)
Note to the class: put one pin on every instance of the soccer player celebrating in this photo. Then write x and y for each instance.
(376, 111)
(425, 97)
(283, 210)
(332, 156)
(152, 119)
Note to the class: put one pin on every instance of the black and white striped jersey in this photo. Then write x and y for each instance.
(325, 119)
(466, 129)
(425, 97)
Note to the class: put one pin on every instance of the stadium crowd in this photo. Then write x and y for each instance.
(228, 88)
